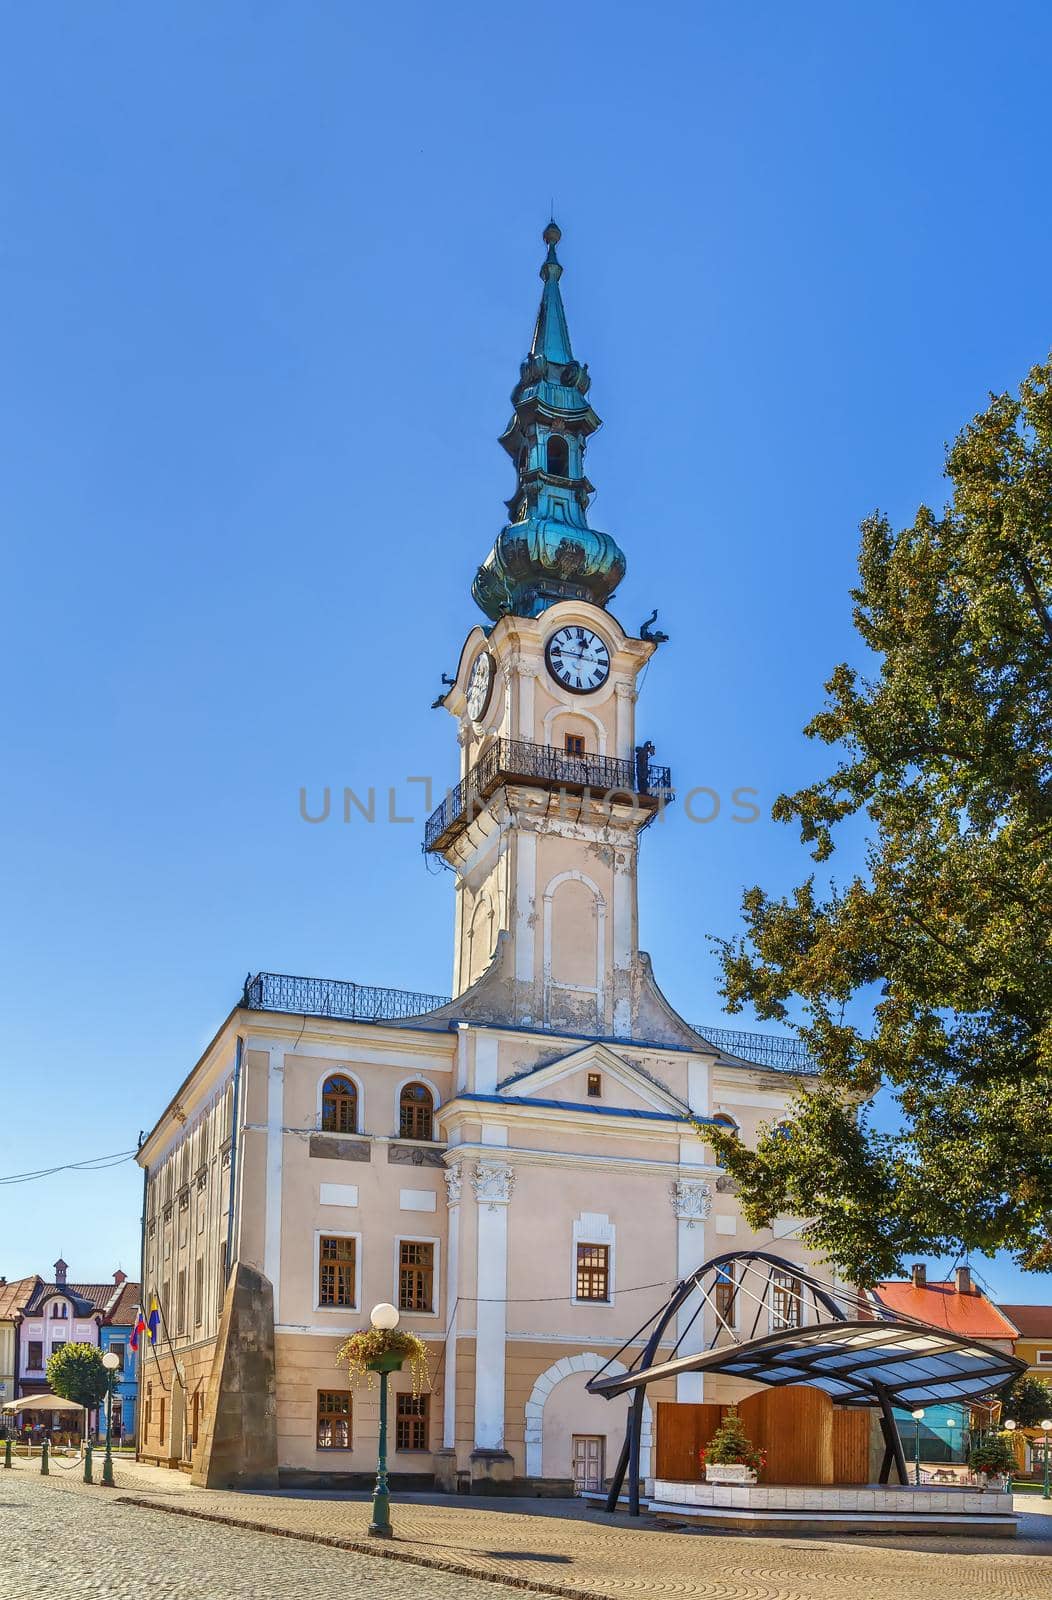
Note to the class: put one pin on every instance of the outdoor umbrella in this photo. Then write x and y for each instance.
(41, 1402)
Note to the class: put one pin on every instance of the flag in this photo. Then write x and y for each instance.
(153, 1321)
(140, 1327)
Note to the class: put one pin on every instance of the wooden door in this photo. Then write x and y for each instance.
(683, 1428)
(587, 1460)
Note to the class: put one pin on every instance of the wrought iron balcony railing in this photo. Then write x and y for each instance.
(514, 761)
(361, 1002)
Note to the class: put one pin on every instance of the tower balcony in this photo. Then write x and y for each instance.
(637, 783)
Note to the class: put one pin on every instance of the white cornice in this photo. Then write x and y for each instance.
(517, 1156)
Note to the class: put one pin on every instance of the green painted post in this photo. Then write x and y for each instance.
(380, 1526)
(7, 1452)
(87, 1462)
(44, 1468)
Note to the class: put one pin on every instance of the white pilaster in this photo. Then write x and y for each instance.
(454, 1177)
(691, 1201)
(525, 905)
(492, 1183)
(275, 1119)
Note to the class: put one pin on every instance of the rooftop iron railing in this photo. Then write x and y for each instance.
(362, 1002)
(780, 1052)
(516, 761)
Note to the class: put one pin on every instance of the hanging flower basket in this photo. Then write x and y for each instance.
(373, 1350)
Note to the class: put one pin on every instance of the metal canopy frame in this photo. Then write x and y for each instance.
(831, 1336)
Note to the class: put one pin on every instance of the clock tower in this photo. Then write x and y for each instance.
(543, 829)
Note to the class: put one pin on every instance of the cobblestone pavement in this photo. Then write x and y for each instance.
(63, 1546)
(555, 1547)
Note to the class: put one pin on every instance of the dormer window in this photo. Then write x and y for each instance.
(59, 1309)
(595, 1086)
(558, 456)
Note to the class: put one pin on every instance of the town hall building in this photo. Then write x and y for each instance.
(522, 1169)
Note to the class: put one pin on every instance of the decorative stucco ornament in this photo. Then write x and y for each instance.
(547, 552)
(492, 1182)
(454, 1176)
(690, 1199)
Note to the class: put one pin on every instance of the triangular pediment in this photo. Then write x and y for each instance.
(639, 1085)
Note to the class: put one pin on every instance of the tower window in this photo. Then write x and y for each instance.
(575, 744)
(558, 456)
(595, 1086)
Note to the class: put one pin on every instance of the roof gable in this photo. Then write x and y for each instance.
(538, 1082)
(944, 1306)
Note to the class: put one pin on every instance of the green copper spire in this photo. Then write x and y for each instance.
(548, 552)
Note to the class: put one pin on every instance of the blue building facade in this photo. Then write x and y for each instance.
(114, 1335)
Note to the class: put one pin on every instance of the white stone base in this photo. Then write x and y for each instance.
(961, 1511)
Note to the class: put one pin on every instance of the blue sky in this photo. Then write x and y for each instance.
(267, 274)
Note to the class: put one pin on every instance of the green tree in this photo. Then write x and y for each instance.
(1028, 1402)
(76, 1373)
(944, 940)
(730, 1445)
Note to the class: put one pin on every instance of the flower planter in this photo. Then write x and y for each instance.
(392, 1362)
(732, 1472)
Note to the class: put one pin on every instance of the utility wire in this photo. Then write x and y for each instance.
(95, 1164)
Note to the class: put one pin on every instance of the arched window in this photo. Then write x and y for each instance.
(339, 1105)
(59, 1308)
(558, 456)
(416, 1112)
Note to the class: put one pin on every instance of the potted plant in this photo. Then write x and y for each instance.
(992, 1456)
(730, 1455)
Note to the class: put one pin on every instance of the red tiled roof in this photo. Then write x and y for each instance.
(1033, 1322)
(122, 1312)
(941, 1304)
(87, 1297)
(14, 1295)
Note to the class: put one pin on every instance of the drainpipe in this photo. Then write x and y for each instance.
(238, 1052)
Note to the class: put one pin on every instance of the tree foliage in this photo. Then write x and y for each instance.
(1028, 1402)
(76, 1373)
(946, 753)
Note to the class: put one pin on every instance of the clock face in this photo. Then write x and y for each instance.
(578, 659)
(480, 686)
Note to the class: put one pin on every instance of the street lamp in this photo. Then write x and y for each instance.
(1046, 1429)
(951, 1423)
(918, 1417)
(111, 1362)
(385, 1318)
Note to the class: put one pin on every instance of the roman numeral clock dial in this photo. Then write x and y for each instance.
(578, 659)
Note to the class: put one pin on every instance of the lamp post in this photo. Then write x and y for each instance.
(918, 1417)
(384, 1317)
(1010, 1426)
(951, 1423)
(111, 1362)
(1046, 1429)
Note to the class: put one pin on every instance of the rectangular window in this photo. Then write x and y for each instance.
(335, 1271)
(575, 744)
(199, 1291)
(35, 1358)
(118, 1351)
(334, 1419)
(195, 1416)
(595, 1086)
(1044, 1358)
(725, 1298)
(160, 1433)
(149, 1411)
(221, 1285)
(412, 1419)
(593, 1272)
(785, 1301)
(180, 1321)
(57, 1344)
(416, 1275)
